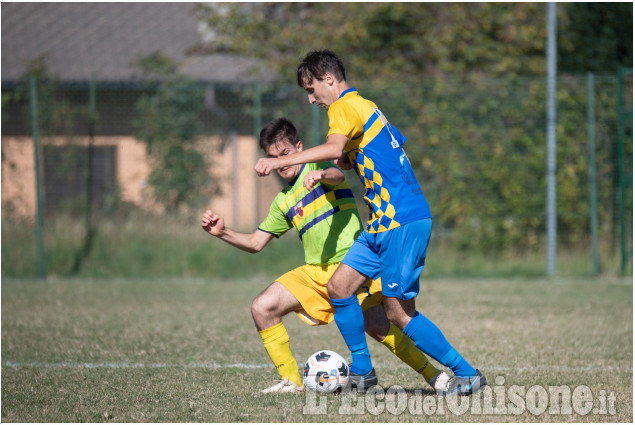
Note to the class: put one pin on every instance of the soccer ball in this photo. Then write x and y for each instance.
(325, 372)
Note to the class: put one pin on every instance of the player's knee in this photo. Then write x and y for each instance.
(261, 308)
(330, 289)
(376, 324)
(334, 290)
(378, 331)
(398, 317)
(399, 312)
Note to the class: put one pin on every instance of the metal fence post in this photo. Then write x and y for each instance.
(623, 181)
(593, 204)
(551, 138)
(89, 231)
(36, 150)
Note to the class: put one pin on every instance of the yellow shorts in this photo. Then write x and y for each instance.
(308, 285)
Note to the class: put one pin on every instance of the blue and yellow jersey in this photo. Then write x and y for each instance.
(325, 218)
(393, 195)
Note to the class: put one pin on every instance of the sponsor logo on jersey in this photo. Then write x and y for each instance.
(298, 209)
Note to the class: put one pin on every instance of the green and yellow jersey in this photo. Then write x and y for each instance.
(325, 218)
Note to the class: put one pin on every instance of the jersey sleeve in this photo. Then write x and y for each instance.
(275, 223)
(344, 119)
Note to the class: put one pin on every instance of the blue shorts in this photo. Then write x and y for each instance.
(397, 256)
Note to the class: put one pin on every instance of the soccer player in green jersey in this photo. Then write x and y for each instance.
(320, 206)
(394, 244)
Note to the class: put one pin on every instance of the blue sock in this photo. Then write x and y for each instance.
(350, 321)
(429, 339)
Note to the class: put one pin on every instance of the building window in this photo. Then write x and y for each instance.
(68, 170)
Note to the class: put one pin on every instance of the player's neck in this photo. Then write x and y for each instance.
(341, 87)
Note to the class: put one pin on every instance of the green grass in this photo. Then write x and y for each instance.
(140, 245)
(186, 350)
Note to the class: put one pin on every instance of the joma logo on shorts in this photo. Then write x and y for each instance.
(392, 285)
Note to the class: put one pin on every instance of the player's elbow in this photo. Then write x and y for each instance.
(334, 152)
(339, 179)
(253, 249)
(256, 247)
(257, 241)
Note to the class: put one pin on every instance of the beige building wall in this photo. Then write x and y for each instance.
(18, 176)
(245, 197)
(243, 202)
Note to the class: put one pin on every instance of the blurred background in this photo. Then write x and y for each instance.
(123, 122)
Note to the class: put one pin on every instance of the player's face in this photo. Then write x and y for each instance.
(320, 92)
(280, 149)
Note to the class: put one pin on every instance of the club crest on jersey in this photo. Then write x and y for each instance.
(298, 209)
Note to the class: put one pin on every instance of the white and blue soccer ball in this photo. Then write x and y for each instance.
(325, 372)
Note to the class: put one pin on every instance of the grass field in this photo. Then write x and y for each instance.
(186, 351)
(141, 245)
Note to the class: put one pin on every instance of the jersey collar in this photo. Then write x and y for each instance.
(345, 92)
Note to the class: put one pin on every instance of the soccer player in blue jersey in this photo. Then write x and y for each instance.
(394, 243)
(320, 206)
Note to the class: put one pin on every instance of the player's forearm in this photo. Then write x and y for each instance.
(242, 241)
(320, 153)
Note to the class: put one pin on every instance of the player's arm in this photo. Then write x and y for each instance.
(332, 176)
(214, 224)
(329, 151)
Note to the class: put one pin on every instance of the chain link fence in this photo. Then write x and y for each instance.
(477, 145)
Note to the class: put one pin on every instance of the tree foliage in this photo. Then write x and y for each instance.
(168, 121)
(595, 37)
(392, 40)
(465, 82)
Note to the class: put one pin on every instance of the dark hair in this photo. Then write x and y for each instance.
(317, 63)
(277, 131)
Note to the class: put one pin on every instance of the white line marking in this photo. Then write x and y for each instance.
(214, 365)
(126, 365)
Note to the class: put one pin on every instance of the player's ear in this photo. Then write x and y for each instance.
(329, 78)
(299, 146)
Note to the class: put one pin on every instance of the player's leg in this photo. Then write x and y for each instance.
(378, 327)
(359, 264)
(429, 339)
(267, 311)
(403, 257)
(403, 252)
(342, 288)
(268, 308)
(427, 336)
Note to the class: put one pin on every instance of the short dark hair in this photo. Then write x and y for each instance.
(276, 131)
(317, 63)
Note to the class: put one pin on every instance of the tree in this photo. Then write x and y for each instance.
(168, 121)
(465, 82)
(595, 37)
(382, 40)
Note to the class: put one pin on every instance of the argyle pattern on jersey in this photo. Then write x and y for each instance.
(378, 198)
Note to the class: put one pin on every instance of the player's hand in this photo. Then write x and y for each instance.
(344, 162)
(212, 223)
(312, 178)
(265, 166)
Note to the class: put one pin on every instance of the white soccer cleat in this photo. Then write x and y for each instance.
(440, 382)
(284, 386)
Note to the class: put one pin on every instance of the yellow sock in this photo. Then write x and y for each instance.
(404, 348)
(276, 342)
